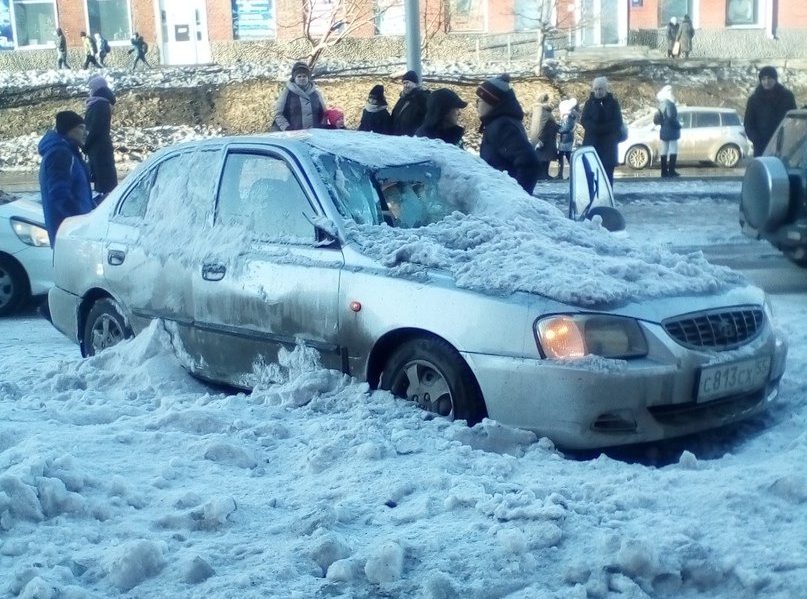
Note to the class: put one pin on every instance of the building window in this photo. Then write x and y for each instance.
(6, 31)
(34, 22)
(110, 18)
(674, 8)
(466, 15)
(253, 19)
(534, 16)
(742, 12)
(390, 17)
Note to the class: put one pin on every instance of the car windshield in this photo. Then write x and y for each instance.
(404, 196)
(789, 141)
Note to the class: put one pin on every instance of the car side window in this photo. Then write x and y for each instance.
(261, 193)
(730, 119)
(707, 119)
(136, 201)
(686, 119)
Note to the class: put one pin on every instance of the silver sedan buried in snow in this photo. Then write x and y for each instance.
(414, 266)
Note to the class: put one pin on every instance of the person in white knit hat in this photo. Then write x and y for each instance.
(669, 130)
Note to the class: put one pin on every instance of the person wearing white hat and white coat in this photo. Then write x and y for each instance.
(669, 130)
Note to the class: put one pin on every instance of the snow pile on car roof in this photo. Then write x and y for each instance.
(510, 241)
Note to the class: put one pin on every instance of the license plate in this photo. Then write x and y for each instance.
(733, 377)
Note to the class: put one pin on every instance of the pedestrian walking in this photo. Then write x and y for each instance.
(603, 124)
(410, 109)
(99, 148)
(505, 145)
(672, 37)
(442, 117)
(89, 51)
(300, 104)
(103, 47)
(64, 178)
(544, 142)
(569, 117)
(376, 117)
(685, 34)
(666, 117)
(765, 109)
(334, 118)
(61, 50)
(140, 48)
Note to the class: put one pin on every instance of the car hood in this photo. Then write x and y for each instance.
(24, 208)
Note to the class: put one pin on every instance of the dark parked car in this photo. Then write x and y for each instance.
(774, 195)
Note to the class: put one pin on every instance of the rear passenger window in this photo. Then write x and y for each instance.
(707, 119)
(730, 119)
(686, 119)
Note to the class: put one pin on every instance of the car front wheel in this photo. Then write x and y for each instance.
(637, 157)
(432, 374)
(728, 156)
(105, 326)
(13, 286)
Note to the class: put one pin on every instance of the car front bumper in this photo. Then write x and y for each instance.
(590, 405)
(38, 265)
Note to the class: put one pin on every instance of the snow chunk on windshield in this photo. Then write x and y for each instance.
(478, 225)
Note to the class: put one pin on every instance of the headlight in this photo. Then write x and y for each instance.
(574, 336)
(30, 233)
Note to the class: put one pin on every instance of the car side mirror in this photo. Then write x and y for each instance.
(326, 233)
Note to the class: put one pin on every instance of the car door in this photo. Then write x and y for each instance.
(149, 246)
(688, 135)
(709, 133)
(589, 187)
(276, 286)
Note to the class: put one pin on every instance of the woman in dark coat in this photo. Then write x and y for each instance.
(100, 152)
(504, 140)
(300, 104)
(602, 120)
(442, 117)
(375, 117)
(685, 34)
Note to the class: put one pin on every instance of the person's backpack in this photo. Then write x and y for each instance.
(93, 45)
(105, 46)
(144, 46)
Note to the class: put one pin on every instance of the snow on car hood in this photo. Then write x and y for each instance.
(502, 240)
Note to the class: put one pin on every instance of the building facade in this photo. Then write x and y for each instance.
(187, 31)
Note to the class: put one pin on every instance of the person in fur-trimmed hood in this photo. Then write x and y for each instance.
(504, 140)
(98, 119)
(300, 104)
(376, 117)
(766, 108)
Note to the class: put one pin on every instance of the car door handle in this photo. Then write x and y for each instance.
(213, 272)
(115, 257)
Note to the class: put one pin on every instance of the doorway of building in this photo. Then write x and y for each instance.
(184, 32)
(602, 23)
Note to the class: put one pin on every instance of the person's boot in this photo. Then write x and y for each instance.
(664, 171)
(560, 169)
(671, 172)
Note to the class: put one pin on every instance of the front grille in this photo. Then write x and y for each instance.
(718, 330)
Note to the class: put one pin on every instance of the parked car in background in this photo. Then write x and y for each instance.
(26, 260)
(411, 264)
(774, 193)
(708, 135)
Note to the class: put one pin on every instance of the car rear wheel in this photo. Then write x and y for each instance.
(14, 287)
(728, 156)
(637, 157)
(105, 326)
(431, 373)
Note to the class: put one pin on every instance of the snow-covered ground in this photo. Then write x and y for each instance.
(122, 475)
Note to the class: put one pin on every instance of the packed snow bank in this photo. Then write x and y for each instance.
(121, 473)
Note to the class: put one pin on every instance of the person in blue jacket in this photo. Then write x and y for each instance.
(64, 177)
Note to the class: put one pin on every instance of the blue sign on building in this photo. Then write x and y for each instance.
(253, 19)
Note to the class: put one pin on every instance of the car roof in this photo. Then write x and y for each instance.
(685, 108)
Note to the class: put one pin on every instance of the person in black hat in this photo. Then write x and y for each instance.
(64, 178)
(442, 117)
(766, 108)
(504, 140)
(376, 117)
(410, 109)
(300, 104)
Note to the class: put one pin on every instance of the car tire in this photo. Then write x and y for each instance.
(638, 157)
(15, 289)
(104, 327)
(421, 367)
(728, 156)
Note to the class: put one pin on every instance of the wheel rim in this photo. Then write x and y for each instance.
(6, 287)
(106, 332)
(728, 156)
(421, 382)
(637, 158)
